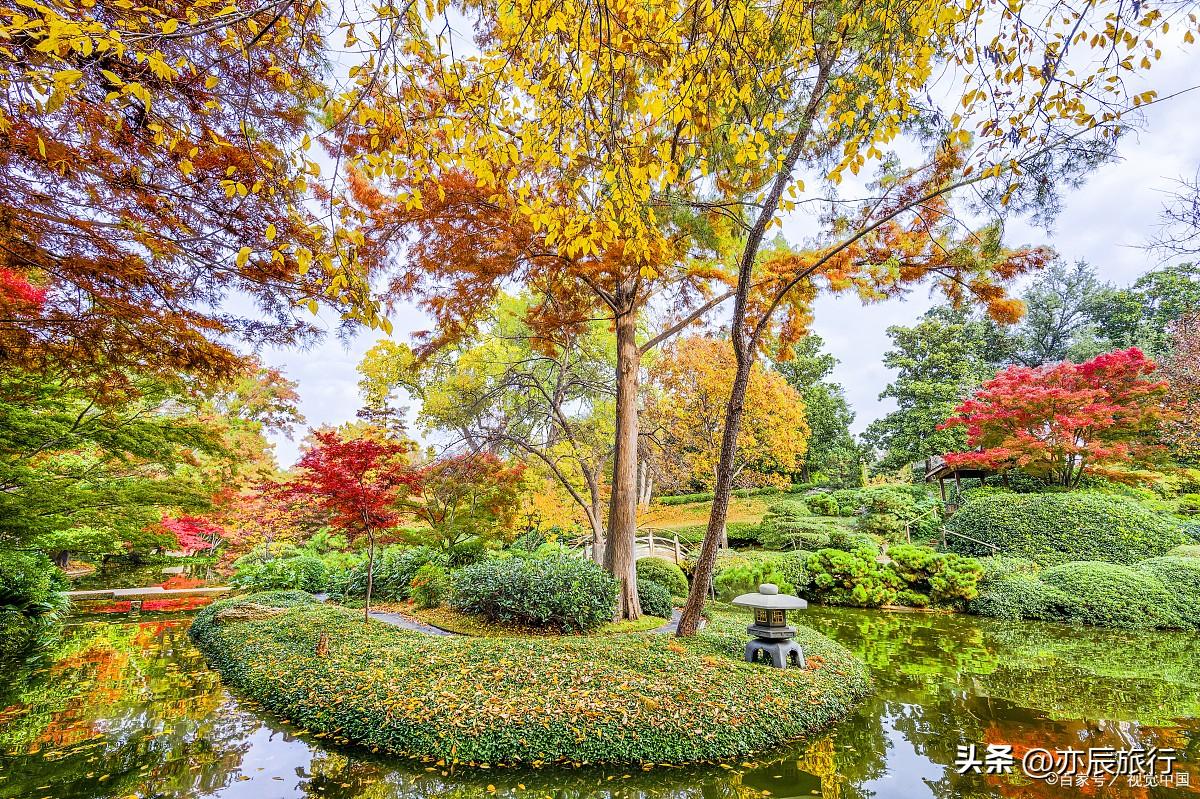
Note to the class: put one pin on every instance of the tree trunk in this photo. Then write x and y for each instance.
(689, 623)
(619, 555)
(370, 574)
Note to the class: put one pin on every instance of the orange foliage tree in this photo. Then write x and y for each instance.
(152, 164)
(689, 389)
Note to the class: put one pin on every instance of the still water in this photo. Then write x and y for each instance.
(128, 709)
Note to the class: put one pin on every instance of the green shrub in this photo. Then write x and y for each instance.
(624, 699)
(528, 541)
(796, 533)
(1020, 595)
(851, 578)
(1112, 595)
(1188, 505)
(745, 578)
(395, 568)
(1181, 578)
(430, 586)
(996, 567)
(849, 500)
(663, 572)
(944, 578)
(686, 499)
(792, 566)
(31, 600)
(822, 504)
(1185, 551)
(655, 599)
(466, 553)
(849, 539)
(560, 592)
(894, 514)
(300, 571)
(1057, 528)
(739, 534)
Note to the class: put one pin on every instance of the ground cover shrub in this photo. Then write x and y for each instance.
(655, 599)
(625, 699)
(1180, 576)
(1112, 595)
(1188, 505)
(996, 567)
(31, 600)
(563, 592)
(851, 578)
(1062, 527)
(663, 572)
(1185, 551)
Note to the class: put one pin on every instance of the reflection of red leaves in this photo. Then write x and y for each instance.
(183, 581)
(177, 603)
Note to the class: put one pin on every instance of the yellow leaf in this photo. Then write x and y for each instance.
(170, 26)
(243, 256)
(271, 232)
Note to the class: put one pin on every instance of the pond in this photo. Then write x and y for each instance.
(174, 573)
(126, 708)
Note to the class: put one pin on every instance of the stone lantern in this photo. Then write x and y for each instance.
(772, 634)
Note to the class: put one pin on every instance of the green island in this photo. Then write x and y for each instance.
(630, 698)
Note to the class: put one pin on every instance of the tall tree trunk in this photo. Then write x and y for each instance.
(716, 534)
(744, 343)
(370, 574)
(594, 510)
(619, 555)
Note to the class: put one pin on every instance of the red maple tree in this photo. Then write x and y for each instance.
(360, 481)
(1062, 421)
(193, 533)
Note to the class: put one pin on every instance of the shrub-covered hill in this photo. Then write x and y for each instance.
(618, 699)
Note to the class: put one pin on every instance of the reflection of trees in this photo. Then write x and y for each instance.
(945, 680)
(131, 702)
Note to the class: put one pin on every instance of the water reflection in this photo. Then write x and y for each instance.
(127, 708)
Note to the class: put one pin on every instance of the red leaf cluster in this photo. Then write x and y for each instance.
(193, 533)
(1061, 421)
(358, 480)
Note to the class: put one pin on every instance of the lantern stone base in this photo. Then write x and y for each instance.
(779, 652)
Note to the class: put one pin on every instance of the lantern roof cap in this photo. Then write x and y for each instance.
(768, 597)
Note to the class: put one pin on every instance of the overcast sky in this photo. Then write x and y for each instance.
(1107, 222)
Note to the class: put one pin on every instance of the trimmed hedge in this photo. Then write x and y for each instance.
(665, 573)
(623, 699)
(1112, 595)
(560, 591)
(655, 599)
(1059, 528)
(1180, 577)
